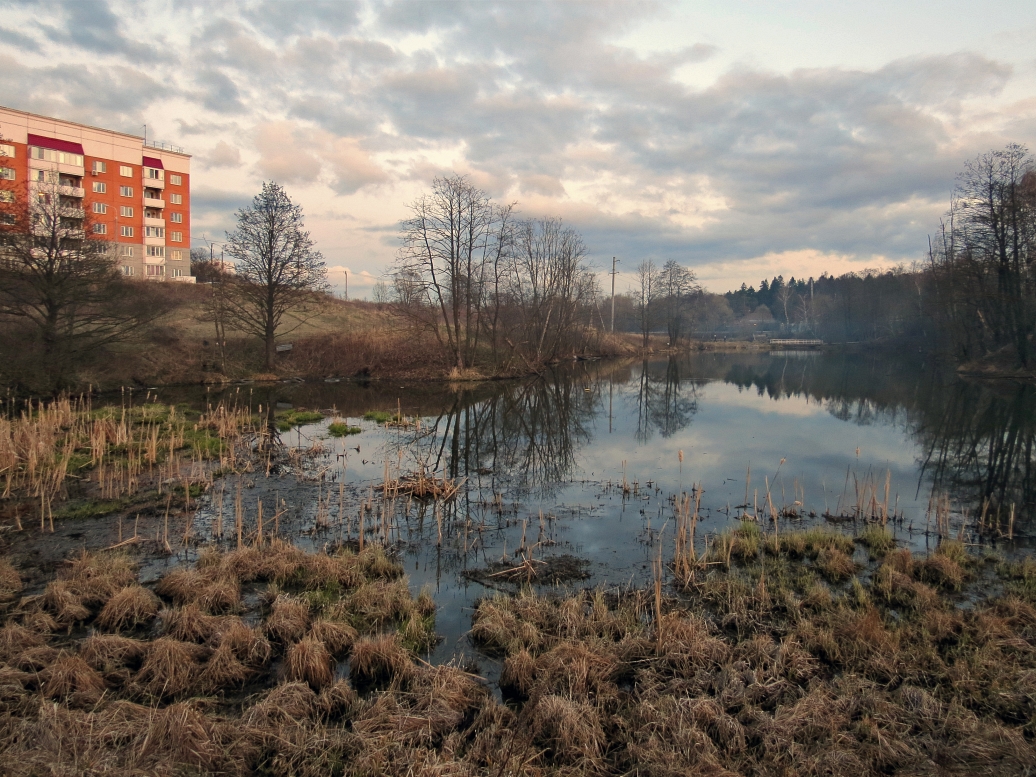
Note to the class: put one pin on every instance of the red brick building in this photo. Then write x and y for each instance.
(134, 194)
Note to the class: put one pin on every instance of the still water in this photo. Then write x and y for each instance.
(542, 462)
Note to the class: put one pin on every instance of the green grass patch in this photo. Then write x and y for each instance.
(877, 539)
(287, 421)
(378, 416)
(342, 430)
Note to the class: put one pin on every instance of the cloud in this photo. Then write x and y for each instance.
(223, 155)
(352, 166)
(725, 160)
(285, 154)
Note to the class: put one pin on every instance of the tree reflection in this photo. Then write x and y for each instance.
(523, 438)
(978, 440)
(664, 404)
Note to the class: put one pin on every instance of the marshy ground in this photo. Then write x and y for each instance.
(340, 605)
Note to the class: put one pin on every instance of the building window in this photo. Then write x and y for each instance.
(100, 187)
(151, 172)
(156, 251)
(175, 180)
(126, 171)
(61, 157)
(7, 173)
(100, 207)
(176, 199)
(7, 218)
(177, 272)
(126, 191)
(126, 211)
(126, 270)
(154, 232)
(6, 196)
(155, 269)
(176, 237)
(126, 231)
(100, 167)
(176, 256)
(127, 250)
(100, 229)
(176, 218)
(6, 150)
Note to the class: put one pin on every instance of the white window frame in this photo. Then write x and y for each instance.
(175, 180)
(100, 207)
(176, 199)
(125, 191)
(7, 174)
(125, 171)
(176, 218)
(126, 269)
(99, 167)
(6, 150)
(100, 187)
(100, 229)
(125, 231)
(154, 231)
(175, 256)
(6, 195)
(156, 251)
(125, 211)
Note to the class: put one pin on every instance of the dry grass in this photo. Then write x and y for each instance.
(169, 668)
(223, 671)
(338, 638)
(189, 624)
(764, 668)
(10, 583)
(288, 620)
(130, 608)
(380, 661)
(309, 661)
(72, 680)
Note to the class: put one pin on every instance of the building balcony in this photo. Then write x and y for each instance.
(153, 222)
(73, 213)
(151, 202)
(154, 241)
(183, 278)
(72, 191)
(42, 164)
(153, 183)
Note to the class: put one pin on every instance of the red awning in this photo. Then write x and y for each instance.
(55, 145)
(150, 161)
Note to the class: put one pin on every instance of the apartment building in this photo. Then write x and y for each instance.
(135, 194)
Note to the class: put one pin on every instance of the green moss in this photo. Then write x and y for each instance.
(78, 509)
(378, 416)
(342, 430)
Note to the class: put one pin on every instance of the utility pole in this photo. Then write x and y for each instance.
(614, 260)
(347, 285)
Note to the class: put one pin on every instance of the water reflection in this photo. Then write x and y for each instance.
(973, 441)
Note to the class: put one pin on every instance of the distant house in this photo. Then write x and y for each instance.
(761, 315)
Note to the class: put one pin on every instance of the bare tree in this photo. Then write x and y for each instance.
(549, 284)
(278, 268)
(644, 296)
(676, 287)
(59, 284)
(452, 241)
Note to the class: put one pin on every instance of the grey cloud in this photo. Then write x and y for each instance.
(280, 20)
(91, 25)
(218, 91)
(19, 40)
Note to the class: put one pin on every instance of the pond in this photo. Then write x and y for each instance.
(576, 475)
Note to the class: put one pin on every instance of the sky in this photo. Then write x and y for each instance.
(742, 139)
